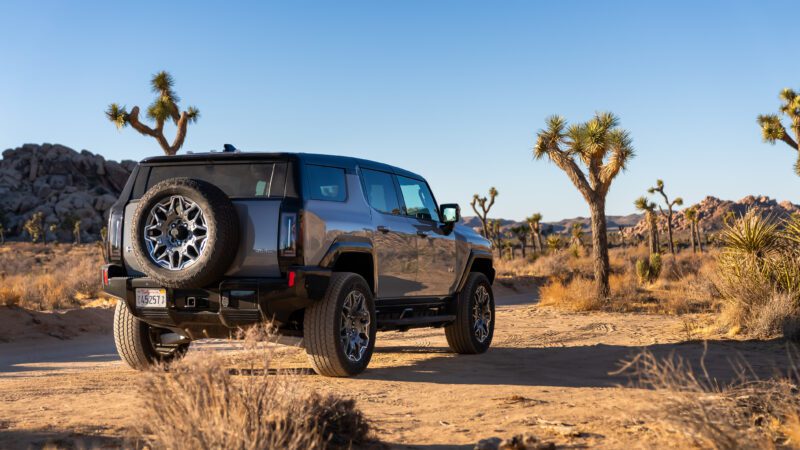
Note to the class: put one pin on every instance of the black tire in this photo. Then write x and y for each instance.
(461, 335)
(323, 322)
(134, 341)
(222, 236)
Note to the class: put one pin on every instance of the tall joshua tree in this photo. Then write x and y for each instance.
(521, 233)
(534, 222)
(649, 210)
(485, 205)
(692, 217)
(772, 128)
(659, 187)
(164, 108)
(603, 149)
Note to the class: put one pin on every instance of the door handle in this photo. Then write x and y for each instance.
(422, 234)
(383, 229)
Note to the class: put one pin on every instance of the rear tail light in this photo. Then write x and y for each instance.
(105, 276)
(287, 245)
(292, 278)
(114, 244)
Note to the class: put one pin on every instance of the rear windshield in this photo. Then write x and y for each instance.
(236, 180)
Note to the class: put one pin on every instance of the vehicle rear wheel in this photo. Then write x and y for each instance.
(140, 345)
(339, 330)
(473, 329)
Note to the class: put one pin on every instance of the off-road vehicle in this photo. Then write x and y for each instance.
(328, 249)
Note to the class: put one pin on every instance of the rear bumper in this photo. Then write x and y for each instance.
(217, 311)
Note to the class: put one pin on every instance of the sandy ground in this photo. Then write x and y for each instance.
(547, 373)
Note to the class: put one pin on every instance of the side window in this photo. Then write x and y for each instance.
(325, 183)
(418, 199)
(381, 193)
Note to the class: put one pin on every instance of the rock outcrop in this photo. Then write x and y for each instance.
(711, 212)
(63, 184)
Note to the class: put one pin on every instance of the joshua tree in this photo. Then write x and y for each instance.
(2, 234)
(35, 227)
(604, 149)
(649, 209)
(691, 216)
(164, 108)
(772, 128)
(485, 205)
(494, 235)
(521, 233)
(576, 232)
(76, 231)
(659, 187)
(553, 242)
(534, 222)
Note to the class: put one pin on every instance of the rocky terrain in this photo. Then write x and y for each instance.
(712, 211)
(61, 183)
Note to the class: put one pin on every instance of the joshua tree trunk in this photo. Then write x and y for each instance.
(600, 247)
(692, 232)
(699, 240)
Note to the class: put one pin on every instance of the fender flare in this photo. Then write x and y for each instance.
(339, 248)
(475, 255)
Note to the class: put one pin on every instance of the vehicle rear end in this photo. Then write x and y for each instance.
(199, 245)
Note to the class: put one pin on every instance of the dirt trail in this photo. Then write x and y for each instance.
(547, 373)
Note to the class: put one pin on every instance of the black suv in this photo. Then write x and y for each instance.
(329, 249)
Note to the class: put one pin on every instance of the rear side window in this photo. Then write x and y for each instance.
(236, 180)
(325, 183)
(381, 193)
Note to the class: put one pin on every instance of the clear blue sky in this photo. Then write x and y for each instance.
(453, 90)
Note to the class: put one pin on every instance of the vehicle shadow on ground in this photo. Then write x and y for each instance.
(583, 366)
(27, 439)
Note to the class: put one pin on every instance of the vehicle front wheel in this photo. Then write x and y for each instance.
(473, 329)
(141, 345)
(339, 330)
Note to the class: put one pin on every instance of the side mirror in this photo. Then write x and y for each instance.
(450, 212)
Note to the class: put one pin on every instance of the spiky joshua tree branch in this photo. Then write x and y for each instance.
(773, 130)
(485, 204)
(164, 108)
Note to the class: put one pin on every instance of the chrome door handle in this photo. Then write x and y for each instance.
(383, 229)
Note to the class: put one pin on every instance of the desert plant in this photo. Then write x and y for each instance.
(34, 226)
(103, 242)
(2, 234)
(648, 270)
(53, 228)
(694, 233)
(76, 231)
(521, 233)
(649, 209)
(534, 222)
(576, 237)
(772, 129)
(759, 273)
(604, 149)
(659, 187)
(485, 205)
(554, 242)
(164, 108)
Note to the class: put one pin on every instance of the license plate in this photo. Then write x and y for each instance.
(151, 298)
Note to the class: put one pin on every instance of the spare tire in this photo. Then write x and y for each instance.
(185, 233)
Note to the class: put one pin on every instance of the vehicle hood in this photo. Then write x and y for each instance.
(468, 235)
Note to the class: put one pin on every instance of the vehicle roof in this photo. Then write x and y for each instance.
(311, 158)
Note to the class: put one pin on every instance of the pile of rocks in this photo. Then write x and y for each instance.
(61, 183)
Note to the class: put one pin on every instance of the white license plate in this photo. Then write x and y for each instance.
(151, 298)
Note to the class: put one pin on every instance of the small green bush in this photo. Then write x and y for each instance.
(649, 270)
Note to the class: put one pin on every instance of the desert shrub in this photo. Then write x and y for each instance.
(759, 274)
(648, 270)
(705, 413)
(576, 294)
(199, 403)
(40, 278)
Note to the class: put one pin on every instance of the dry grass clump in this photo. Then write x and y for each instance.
(705, 413)
(685, 283)
(200, 403)
(39, 277)
(759, 271)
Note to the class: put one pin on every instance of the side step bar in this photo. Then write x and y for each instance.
(414, 321)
